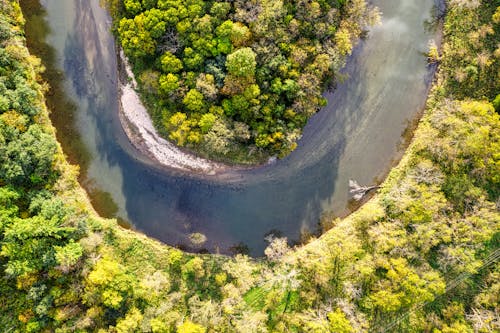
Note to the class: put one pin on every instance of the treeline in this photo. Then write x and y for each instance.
(39, 232)
(421, 256)
(237, 80)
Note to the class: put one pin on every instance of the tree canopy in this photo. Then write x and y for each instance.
(421, 256)
(265, 63)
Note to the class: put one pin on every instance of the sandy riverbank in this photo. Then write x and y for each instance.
(139, 128)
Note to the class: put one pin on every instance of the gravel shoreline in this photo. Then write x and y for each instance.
(140, 130)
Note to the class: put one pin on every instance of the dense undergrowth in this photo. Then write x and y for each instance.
(237, 80)
(421, 256)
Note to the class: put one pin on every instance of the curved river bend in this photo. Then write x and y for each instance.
(358, 135)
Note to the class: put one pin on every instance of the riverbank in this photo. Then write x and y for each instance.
(347, 139)
(137, 124)
(415, 258)
(220, 115)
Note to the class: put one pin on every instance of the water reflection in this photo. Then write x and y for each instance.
(355, 136)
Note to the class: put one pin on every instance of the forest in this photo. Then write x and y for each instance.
(420, 256)
(237, 80)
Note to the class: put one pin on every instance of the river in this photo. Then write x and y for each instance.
(360, 134)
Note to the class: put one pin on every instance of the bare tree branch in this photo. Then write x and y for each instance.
(358, 191)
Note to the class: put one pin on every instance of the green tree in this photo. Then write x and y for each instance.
(135, 39)
(8, 207)
(206, 122)
(131, 322)
(343, 41)
(339, 323)
(28, 160)
(190, 327)
(154, 22)
(194, 101)
(133, 7)
(109, 284)
(403, 287)
(28, 243)
(192, 59)
(170, 63)
(148, 4)
(205, 83)
(240, 34)
(242, 62)
(168, 83)
(179, 128)
(220, 9)
(68, 255)
(219, 138)
(496, 102)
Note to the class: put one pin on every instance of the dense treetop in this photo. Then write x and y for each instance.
(421, 256)
(237, 79)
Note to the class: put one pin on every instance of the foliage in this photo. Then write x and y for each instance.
(39, 233)
(225, 55)
(421, 256)
(241, 62)
(473, 53)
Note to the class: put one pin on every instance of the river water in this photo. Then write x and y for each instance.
(359, 135)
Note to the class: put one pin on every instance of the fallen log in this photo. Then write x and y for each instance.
(357, 191)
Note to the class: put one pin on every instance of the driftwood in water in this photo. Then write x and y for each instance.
(358, 191)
